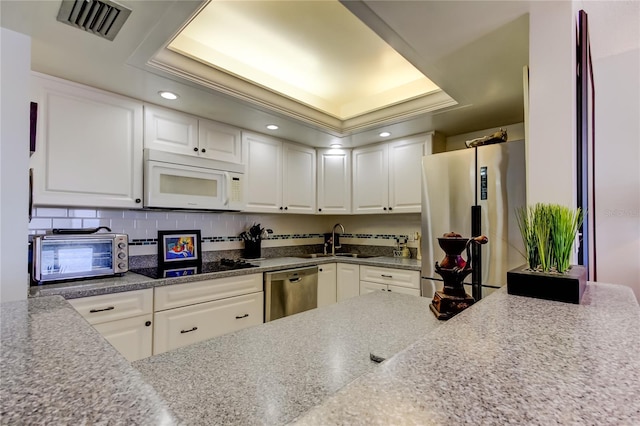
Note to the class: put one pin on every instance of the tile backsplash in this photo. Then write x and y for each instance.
(220, 231)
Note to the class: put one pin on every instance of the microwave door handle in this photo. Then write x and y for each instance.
(227, 179)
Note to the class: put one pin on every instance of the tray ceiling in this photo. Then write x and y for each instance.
(317, 53)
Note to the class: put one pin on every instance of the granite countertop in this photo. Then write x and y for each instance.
(56, 369)
(132, 281)
(508, 360)
(272, 373)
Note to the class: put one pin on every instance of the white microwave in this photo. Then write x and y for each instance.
(175, 181)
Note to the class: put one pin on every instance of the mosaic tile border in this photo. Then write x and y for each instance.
(220, 239)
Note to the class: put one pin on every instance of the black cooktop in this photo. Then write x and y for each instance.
(206, 267)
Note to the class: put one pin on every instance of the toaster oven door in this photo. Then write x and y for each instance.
(58, 259)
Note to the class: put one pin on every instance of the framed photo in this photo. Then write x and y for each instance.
(179, 247)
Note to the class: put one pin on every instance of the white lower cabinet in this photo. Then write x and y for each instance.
(373, 278)
(179, 327)
(130, 336)
(192, 312)
(348, 277)
(327, 284)
(124, 320)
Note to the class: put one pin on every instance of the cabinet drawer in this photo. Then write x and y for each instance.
(111, 307)
(130, 336)
(404, 290)
(191, 324)
(175, 296)
(367, 287)
(399, 277)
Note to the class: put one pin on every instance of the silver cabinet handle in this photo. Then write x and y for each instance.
(243, 316)
(188, 331)
(110, 308)
(386, 276)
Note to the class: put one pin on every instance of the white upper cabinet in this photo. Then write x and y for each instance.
(299, 179)
(219, 141)
(387, 177)
(334, 181)
(371, 179)
(405, 175)
(263, 158)
(171, 131)
(174, 131)
(88, 146)
(280, 177)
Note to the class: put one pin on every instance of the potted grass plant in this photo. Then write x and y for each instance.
(549, 232)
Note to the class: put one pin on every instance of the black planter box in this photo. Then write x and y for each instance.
(568, 287)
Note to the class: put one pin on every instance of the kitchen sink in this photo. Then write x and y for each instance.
(314, 255)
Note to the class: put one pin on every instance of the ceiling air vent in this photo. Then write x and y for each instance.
(103, 18)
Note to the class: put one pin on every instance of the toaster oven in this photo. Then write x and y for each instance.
(68, 257)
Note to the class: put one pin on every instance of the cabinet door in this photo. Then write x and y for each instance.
(327, 284)
(348, 281)
(405, 175)
(368, 287)
(130, 336)
(88, 148)
(169, 130)
(371, 179)
(334, 181)
(219, 141)
(263, 158)
(179, 327)
(299, 179)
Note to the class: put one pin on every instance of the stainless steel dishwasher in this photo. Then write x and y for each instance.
(290, 291)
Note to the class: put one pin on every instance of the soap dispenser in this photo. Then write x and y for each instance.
(405, 250)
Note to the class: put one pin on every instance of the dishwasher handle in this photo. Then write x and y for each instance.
(295, 280)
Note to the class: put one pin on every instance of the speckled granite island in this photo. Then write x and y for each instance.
(507, 359)
(272, 373)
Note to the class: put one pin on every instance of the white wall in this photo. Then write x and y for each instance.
(551, 166)
(15, 63)
(615, 41)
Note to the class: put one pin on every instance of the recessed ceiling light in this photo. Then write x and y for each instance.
(272, 127)
(336, 145)
(385, 134)
(168, 95)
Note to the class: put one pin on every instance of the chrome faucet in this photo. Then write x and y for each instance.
(333, 238)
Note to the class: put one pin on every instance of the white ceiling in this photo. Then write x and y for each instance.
(474, 50)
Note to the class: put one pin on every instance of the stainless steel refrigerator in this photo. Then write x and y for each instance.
(474, 191)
